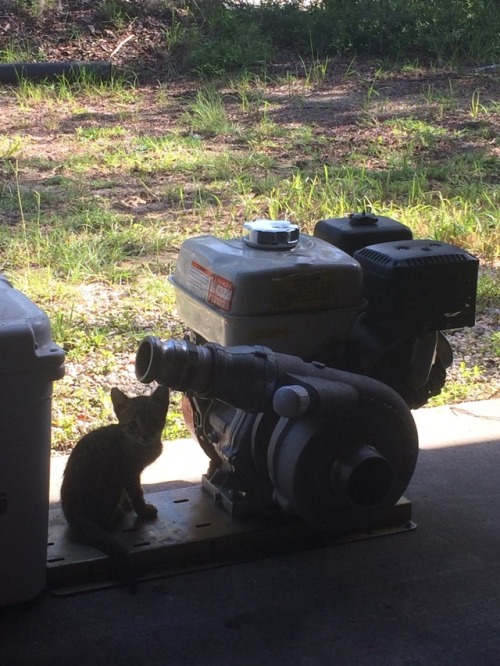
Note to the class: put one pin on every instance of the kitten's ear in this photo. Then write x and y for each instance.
(162, 395)
(119, 400)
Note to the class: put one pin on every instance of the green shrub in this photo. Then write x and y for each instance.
(224, 40)
(220, 38)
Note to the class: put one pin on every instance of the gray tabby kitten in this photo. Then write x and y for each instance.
(102, 478)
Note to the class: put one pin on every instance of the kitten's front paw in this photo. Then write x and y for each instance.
(148, 512)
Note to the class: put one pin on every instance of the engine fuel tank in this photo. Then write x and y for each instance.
(299, 296)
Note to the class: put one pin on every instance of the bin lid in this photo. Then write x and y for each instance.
(26, 343)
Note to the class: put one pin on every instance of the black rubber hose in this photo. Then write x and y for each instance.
(12, 73)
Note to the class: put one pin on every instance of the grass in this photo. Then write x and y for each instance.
(207, 114)
(101, 182)
(459, 388)
(16, 51)
(119, 89)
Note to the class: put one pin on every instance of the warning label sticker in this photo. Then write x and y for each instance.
(220, 292)
(210, 287)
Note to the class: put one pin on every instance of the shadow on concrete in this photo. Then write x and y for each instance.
(430, 596)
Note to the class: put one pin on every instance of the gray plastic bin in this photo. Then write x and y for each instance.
(29, 363)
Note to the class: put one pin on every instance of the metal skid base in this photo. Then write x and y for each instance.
(191, 532)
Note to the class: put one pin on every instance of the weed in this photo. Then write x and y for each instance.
(162, 95)
(414, 133)
(250, 90)
(116, 12)
(315, 69)
(174, 36)
(488, 289)
(64, 91)
(29, 94)
(495, 339)
(96, 133)
(476, 107)
(458, 389)
(443, 100)
(206, 114)
(14, 51)
(11, 147)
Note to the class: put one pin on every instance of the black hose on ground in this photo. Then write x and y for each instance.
(12, 73)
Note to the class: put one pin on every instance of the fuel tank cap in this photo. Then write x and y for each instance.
(271, 234)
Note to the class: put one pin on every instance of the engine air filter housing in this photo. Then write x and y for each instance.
(419, 285)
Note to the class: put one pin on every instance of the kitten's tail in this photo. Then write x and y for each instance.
(90, 532)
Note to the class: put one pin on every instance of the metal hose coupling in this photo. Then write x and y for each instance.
(179, 364)
(244, 376)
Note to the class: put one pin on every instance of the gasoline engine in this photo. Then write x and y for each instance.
(303, 358)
